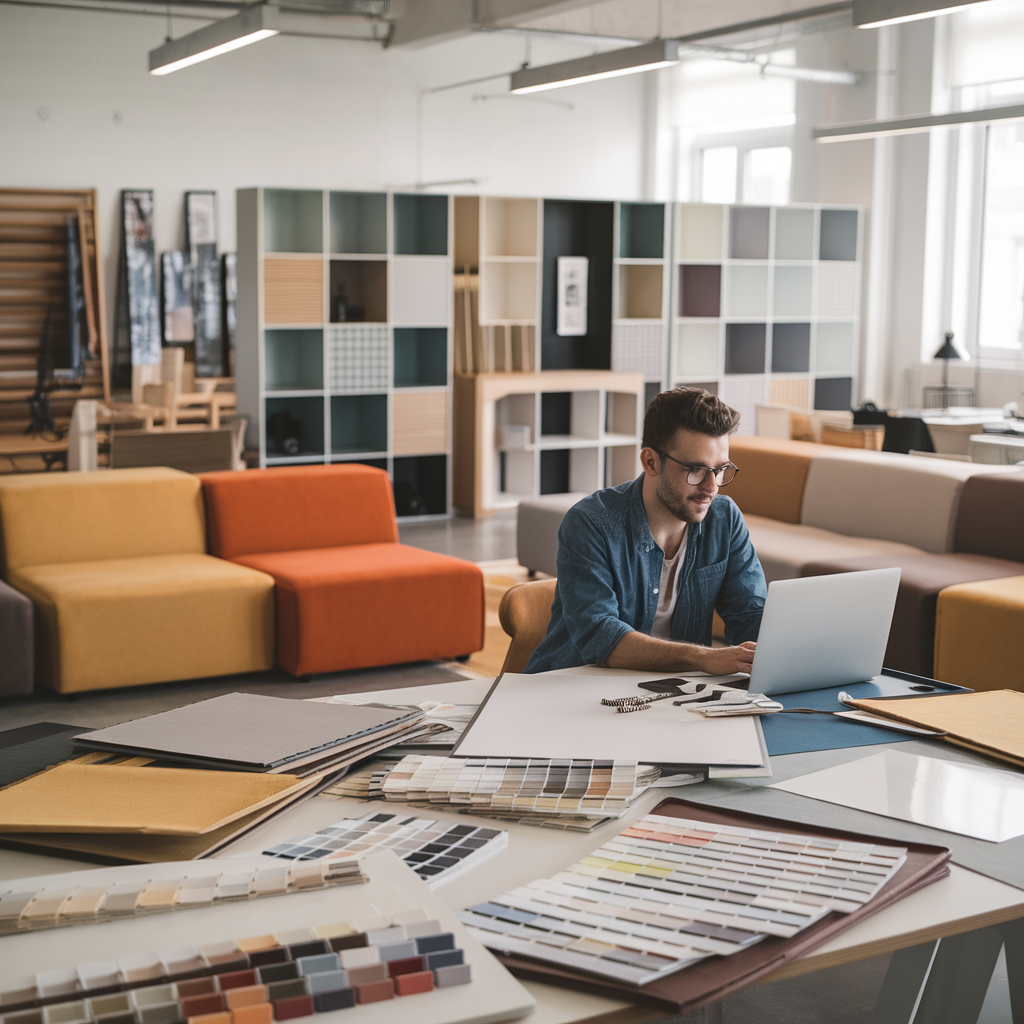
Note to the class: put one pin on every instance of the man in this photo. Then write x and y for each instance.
(642, 566)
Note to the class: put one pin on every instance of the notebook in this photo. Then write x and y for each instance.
(255, 733)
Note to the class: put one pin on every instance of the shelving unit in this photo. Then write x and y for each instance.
(767, 304)
(642, 297)
(571, 430)
(344, 326)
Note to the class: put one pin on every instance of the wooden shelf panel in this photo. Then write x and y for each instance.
(293, 291)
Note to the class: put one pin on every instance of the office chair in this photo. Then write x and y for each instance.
(524, 613)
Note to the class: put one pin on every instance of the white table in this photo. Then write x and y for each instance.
(962, 903)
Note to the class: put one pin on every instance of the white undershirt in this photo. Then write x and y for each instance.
(668, 591)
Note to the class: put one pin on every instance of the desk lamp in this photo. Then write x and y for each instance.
(945, 353)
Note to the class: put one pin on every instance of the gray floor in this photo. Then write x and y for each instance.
(478, 540)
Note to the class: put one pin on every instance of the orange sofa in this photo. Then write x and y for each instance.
(348, 595)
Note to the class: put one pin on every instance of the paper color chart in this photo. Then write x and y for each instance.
(519, 784)
(435, 850)
(251, 980)
(58, 906)
(668, 892)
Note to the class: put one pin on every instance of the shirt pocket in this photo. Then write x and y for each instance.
(709, 579)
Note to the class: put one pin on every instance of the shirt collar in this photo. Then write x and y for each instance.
(638, 518)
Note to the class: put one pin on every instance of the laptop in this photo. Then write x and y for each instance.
(824, 631)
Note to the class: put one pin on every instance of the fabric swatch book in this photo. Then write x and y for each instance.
(255, 733)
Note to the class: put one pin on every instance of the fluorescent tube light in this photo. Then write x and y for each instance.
(249, 26)
(876, 13)
(916, 123)
(660, 54)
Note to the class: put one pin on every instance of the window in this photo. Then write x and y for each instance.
(1001, 323)
(766, 175)
(719, 167)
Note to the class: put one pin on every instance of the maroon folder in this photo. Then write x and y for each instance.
(718, 976)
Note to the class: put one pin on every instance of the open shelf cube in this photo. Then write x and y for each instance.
(293, 220)
(359, 291)
(421, 357)
(620, 413)
(621, 464)
(421, 225)
(508, 291)
(359, 222)
(642, 231)
(294, 360)
(510, 227)
(569, 469)
(421, 485)
(359, 423)
(294, 427)
(570, 414)
(640, 291)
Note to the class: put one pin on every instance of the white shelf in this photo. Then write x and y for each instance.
(295, 393)
(618, 440)
(286, 460)
(508, 259)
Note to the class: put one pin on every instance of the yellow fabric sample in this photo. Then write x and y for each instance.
(979, 634)
(991, 722)
(127, 621)
(76, 797)
(84, 517)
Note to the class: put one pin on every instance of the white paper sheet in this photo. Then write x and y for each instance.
(556, 715)
(984, 803)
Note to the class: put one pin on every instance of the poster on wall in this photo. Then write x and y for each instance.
(572, 295)
(201, 243)
(176, 289)
(137, 336)
(229, 272)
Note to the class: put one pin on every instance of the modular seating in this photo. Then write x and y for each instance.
(123, 590)
(348, 595)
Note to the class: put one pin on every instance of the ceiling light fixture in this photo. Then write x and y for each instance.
(611, 64)
(249, 26)
(916, 123)
(876, 13)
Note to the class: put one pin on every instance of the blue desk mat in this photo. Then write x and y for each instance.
(798, 734)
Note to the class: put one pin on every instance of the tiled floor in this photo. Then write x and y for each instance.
(477, 540)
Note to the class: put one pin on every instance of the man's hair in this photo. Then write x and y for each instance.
(687, 409)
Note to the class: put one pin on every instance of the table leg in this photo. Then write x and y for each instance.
(1013, 940)
(903, 980)
(959, 978)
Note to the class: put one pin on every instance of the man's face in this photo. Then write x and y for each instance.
(688, 502)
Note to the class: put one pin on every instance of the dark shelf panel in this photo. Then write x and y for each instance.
(298, 420)
(421, 225)
(359, 222)
(359, 423)
(364, 286)
(294, 360)
(421, 485)
(642, 231)
(421, 357)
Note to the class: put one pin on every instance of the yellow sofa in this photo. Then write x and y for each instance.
(124, 592)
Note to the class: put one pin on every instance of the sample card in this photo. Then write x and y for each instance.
(668, 892)
(435, 850)
(984, 803)
(572, 295)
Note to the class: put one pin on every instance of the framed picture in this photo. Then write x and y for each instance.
(572, 295)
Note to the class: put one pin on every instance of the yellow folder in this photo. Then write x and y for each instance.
(991, 722)
(78, 796)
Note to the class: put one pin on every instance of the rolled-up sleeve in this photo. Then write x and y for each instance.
(590, 603)
(741, 597)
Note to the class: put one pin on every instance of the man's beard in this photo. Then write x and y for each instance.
(677, 505)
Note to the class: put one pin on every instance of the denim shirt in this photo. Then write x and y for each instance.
(609, 570)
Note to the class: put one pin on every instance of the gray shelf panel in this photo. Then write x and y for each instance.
(359, 222)
(293, 220)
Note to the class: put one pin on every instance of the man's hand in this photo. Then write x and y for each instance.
(652, 654)
(723, 661)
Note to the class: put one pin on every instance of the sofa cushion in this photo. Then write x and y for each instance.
(51, 518)
(979, 634)
(537, 523)
(294, 507)
(128, 621)
(990, 519)
(372, 604)
(912, 636)
(785, 548)
(885, 496)
(772, 474)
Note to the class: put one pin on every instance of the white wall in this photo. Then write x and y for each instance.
(77, 109)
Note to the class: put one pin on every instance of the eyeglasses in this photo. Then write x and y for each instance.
(696, 475)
